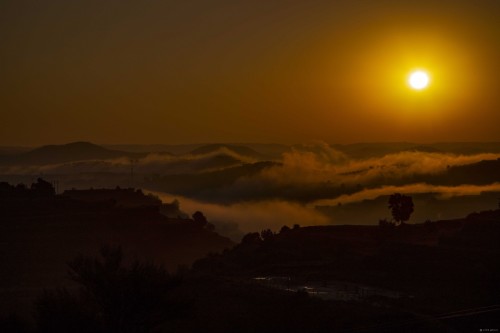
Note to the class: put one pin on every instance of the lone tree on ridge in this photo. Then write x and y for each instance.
(401, 207)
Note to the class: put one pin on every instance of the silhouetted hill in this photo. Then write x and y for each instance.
(367, 150)
(468, 148)
(356, 150)
(206, 184)
(240, 150)
(269, 149)
(8, 150)
(411, 278)
(216, 186)
(437, 266)
(424, 149)
(40, 232)
(480, 173)
(376, 149)
(369, 211)
(179, 149)
(218, 162)
(76, 151)
(138, 148)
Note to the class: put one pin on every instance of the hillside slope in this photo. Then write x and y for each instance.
(40, 233)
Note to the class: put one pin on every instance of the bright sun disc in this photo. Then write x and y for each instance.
(418, 80)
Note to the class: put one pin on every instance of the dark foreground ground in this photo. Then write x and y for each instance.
(439, 276)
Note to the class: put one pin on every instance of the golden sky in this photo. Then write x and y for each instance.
(197, 71)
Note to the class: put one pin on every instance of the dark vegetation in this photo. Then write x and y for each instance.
(434, 268)
(40, 232)
(430, 277)
(401, 207)
(428, 256)
(111, 297)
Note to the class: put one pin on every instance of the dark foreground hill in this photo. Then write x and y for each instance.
(435, 277)
(431, 269)
(40, 232)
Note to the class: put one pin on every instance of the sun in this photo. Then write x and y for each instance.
(418, 80)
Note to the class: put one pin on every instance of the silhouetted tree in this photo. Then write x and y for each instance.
(175, 204)
(21, 188)
(43, 188)
(6, 190)
(266, 234)
(401, 207)
(251, 238)
(200, 219)
(284, 229)
(172, 209)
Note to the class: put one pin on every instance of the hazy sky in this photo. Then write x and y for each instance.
(195, 71)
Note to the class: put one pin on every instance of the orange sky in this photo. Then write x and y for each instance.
(199, 71)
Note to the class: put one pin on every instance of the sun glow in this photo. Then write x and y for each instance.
(418, 80)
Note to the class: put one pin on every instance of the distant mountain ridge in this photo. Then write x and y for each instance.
(240, 150)
(75, 151)
(85, 151)
(267, 149)
(377, 149)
